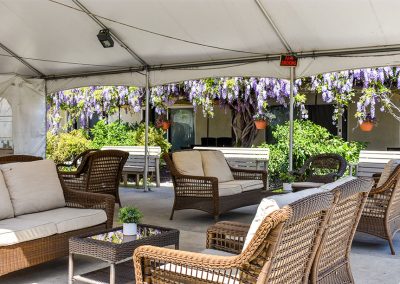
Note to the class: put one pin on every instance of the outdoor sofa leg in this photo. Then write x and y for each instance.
(391, 246)
(216, 218)
(172, 213)
(125, 178)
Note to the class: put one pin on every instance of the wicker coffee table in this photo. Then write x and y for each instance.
(113, 247)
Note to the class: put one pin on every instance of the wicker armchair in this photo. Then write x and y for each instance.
(319, 169)
(30, 253)
(281, 251)
(77, 161)
(332, 263)
(201, 193)
(99, 172)
(381, 214)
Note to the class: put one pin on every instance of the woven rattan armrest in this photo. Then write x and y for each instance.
(148, 258)
(248, 174)
(196, 186)
(227, 236)
(69, 174)
(80, 199)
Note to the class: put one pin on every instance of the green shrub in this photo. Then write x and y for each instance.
(156, 137)
(129, 215)
(65, 146)
(309, 139)
(121, 134)
(111, 134)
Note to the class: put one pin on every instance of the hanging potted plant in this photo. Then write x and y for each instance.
(163, 122)
(129, 217)
(261, 120)
(368, 123)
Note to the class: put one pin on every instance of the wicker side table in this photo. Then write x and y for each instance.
(113, 247)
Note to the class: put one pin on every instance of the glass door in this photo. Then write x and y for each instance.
(181, 134)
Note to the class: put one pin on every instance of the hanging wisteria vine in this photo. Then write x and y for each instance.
(375, 86)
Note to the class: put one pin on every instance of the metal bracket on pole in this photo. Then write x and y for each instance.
(146, 133)
(291, 115)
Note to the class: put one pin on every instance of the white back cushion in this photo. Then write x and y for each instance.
(387, 171)
(266, 207)
(33, 186)
(188, 163)
(215, 165)
(6, 209)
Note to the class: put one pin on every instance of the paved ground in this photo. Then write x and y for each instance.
(371, 260)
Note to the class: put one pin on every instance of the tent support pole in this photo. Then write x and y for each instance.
(146, 132)
(291, 114)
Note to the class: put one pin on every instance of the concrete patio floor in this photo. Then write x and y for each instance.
(370, 258)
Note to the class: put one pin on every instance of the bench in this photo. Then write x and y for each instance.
(135, 163)
(371, 162)
(244, 158)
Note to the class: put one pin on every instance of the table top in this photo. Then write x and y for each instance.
(112, 245)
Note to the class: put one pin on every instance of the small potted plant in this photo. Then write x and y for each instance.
(129, 217)
(261, 119)
(368, 123)
(287, 180)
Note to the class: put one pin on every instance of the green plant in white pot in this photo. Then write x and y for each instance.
(287, 180)
(129, 217)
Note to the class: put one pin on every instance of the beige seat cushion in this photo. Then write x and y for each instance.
(332, 185)
(69, 219)
(6, 209)
(16, 230)
(266, 207)
(229, 188)
(248, 185)
(215, 165)
(387, 171)
(33, 186)
(188, 163)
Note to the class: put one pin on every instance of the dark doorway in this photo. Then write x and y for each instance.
(322, 115)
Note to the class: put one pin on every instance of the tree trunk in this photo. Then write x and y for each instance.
(243, 127)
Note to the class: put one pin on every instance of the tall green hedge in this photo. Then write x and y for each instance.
(309, 139)
(65, 146)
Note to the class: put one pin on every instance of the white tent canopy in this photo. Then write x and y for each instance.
(176, 40)
(180, 39)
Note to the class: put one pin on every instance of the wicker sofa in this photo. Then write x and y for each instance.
(203, 180)
(38, 214)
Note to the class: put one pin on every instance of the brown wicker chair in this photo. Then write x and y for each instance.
(332, 263)
(76, 162)
(381, 214)
(201, 193)
(281, 251)
(99, 172)
(30, 253)
(322, 168)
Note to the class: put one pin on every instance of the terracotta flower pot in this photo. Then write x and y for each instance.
(366, 126)
(165, 125)
(261, 124)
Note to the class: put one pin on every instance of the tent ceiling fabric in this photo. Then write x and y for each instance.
(59, 39)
